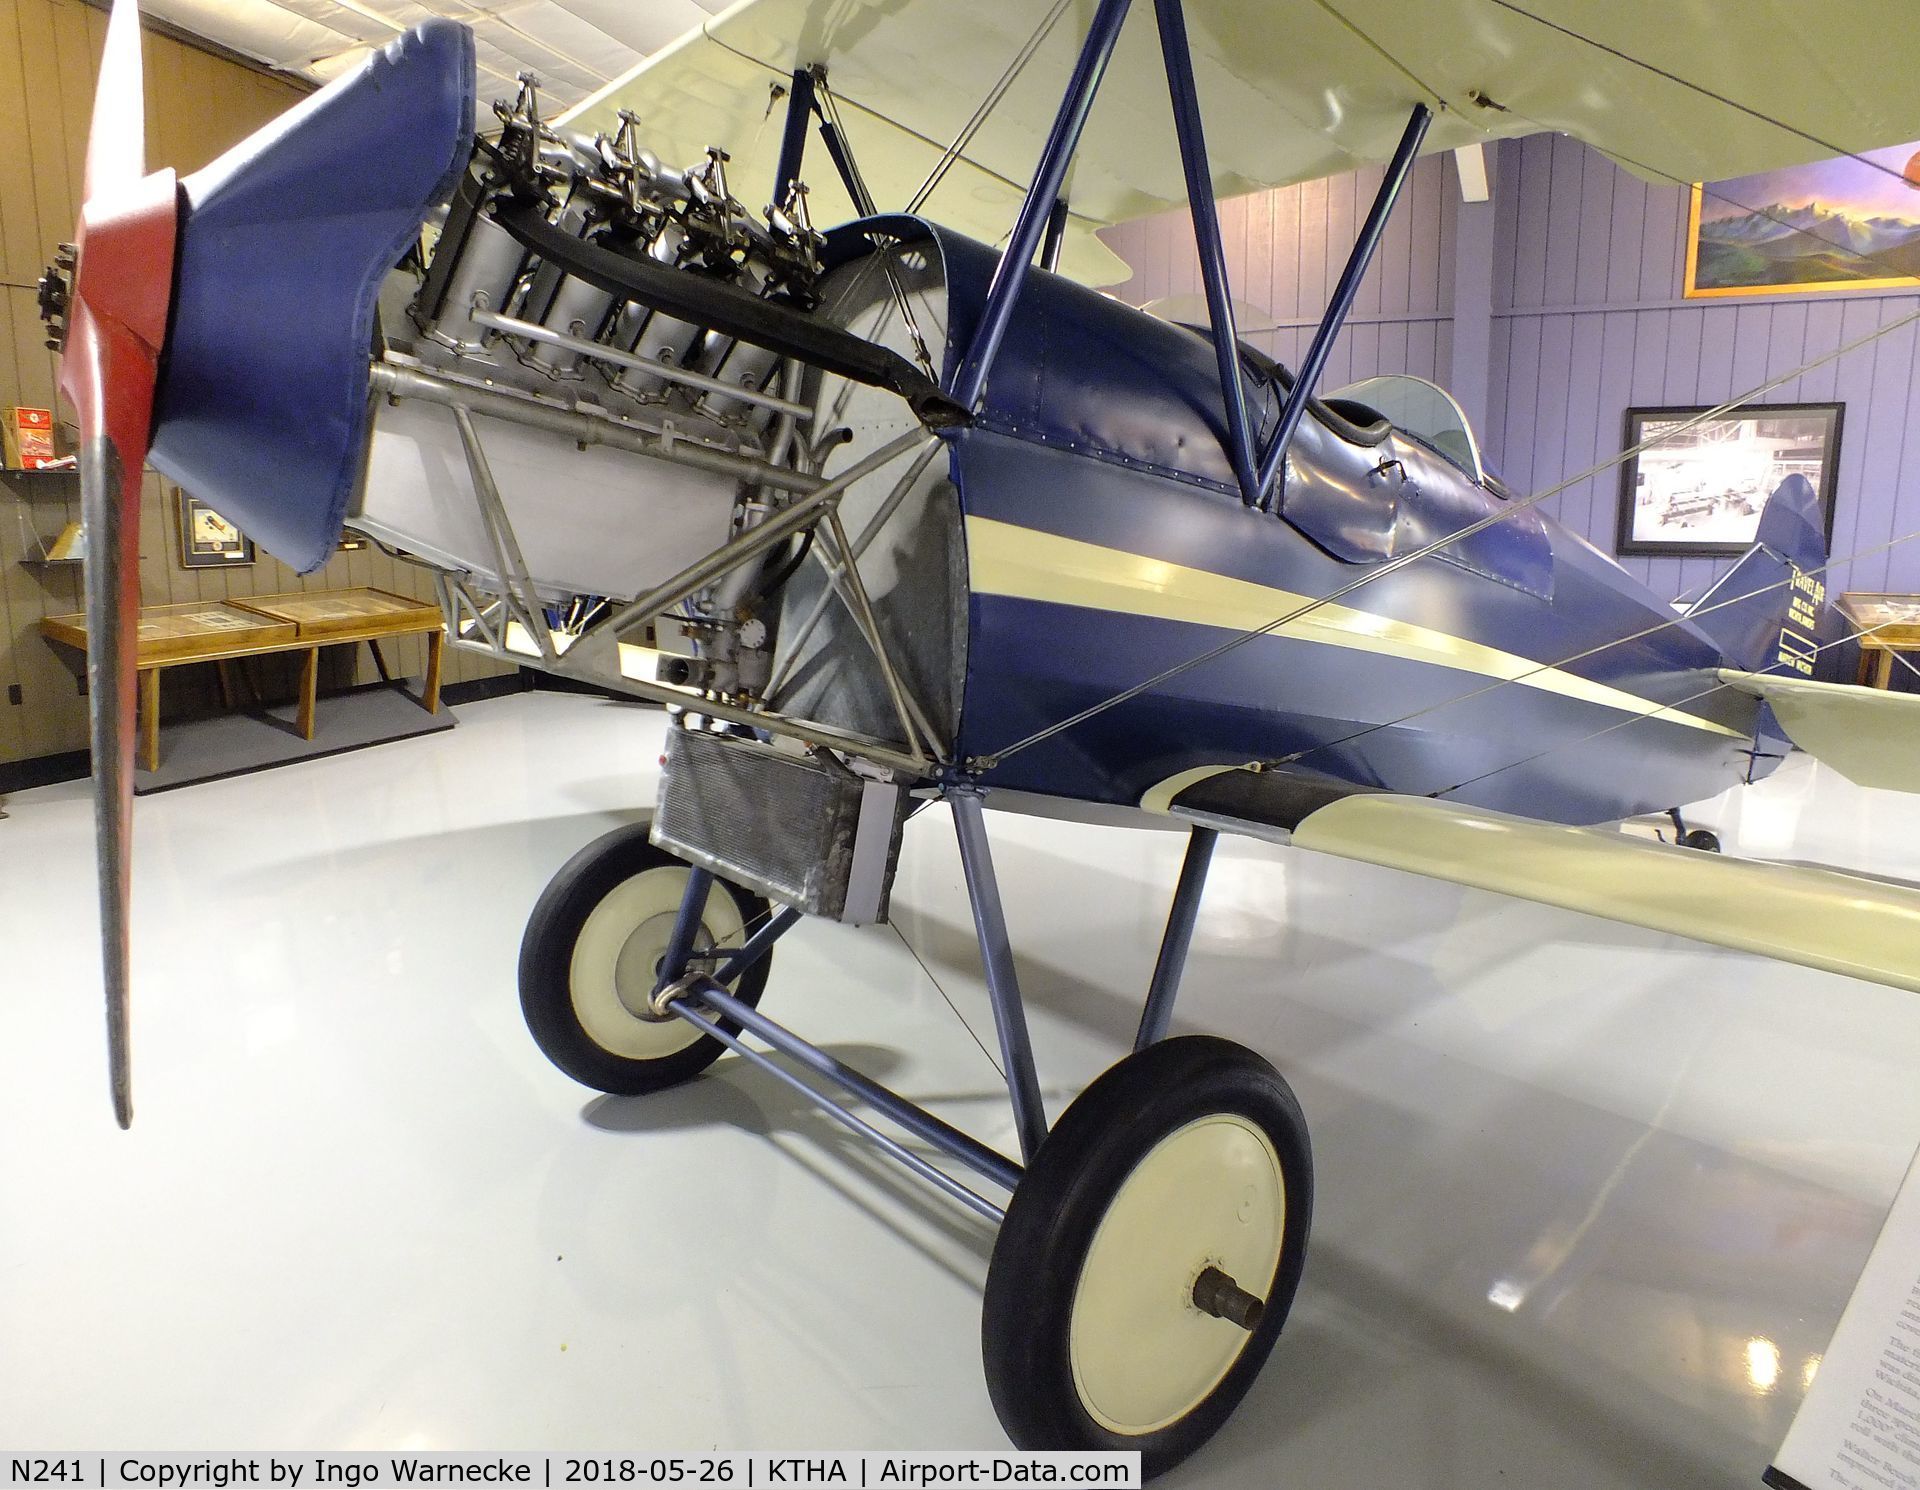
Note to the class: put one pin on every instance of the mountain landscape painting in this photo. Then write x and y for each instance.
(1845, 224)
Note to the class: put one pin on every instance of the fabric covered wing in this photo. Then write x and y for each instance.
(1291, 92)
(1820, 918)
(1869, 735)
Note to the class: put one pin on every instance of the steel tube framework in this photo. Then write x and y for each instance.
(1011, 272)
(756, 946)
(391, 380)
(1172, 962)
(1003, 984)
(793, 138)
(1206, 235)
(892, 1147)
(949, 1140)
(686, 927)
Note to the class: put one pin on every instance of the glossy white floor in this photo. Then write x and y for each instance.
(1590, 1200)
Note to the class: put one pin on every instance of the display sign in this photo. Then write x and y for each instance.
(29, 440)
(1698, 488)
(1859, 1427)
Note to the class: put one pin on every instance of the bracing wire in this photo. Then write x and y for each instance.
(987, 105)
(1688, 617)
(1558, 745)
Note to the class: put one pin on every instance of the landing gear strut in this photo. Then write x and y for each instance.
(1154, 1238)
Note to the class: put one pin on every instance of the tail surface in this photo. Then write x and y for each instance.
(1769, 613)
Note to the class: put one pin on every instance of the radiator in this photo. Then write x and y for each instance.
(810, 835)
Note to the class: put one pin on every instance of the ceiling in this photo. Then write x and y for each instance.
(574, 46)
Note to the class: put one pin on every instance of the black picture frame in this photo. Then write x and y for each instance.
(1718, 476)
(209, 541)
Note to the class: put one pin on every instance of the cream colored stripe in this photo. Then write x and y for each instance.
(1027, 564)
(1160, 798)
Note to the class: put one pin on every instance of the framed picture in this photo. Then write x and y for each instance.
(1845, 224)
(1699, 494)
(208, 540)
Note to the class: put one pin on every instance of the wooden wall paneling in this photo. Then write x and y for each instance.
(1903, 519)
(1503, 160)
(11, 714)
(53, 192)
(1591, 254)
(1550, 425)
(1283, 273)
(1252, 274)
(1312, 282)
(1363, 355)
(1523, 405)
(1893, 374)
(1433, 277)
(1584, 383)
(21, 256)
(74, 49)
(1393, 263)
(1861, 480)
(1535, 175)
(1566, 219)
(157, 558)
(1396, 345)
(1624, 236)
(1787, 344)
(1663, 242)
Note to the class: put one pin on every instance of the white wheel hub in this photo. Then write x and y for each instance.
(1210, 1194)
(616, 959)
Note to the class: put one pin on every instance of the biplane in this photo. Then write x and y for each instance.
(899, 512)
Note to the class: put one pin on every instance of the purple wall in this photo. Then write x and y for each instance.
(1586, 320)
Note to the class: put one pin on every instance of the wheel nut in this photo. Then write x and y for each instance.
(1216, 1294)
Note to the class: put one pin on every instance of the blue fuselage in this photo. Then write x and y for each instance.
(1107, 543)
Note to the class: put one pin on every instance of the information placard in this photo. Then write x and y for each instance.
(1859, 1428)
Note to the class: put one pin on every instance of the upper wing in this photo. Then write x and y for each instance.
(1871, 736)
(1291, 92)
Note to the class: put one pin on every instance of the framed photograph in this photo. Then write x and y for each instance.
(1846, 224)
(1699, 494)
(208, 540)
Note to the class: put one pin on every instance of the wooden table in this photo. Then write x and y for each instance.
(219, 631)
(1888, 624)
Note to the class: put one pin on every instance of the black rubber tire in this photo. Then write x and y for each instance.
(1703, 839)
(546, 958)
(1051, 1221)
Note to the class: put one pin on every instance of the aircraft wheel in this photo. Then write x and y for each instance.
(592, 952)
(1701, 838)
(1150, 1254)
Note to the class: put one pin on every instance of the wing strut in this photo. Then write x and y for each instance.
(1042, 213)
(1048, 178)
(1308, 372)
(1178, 62)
